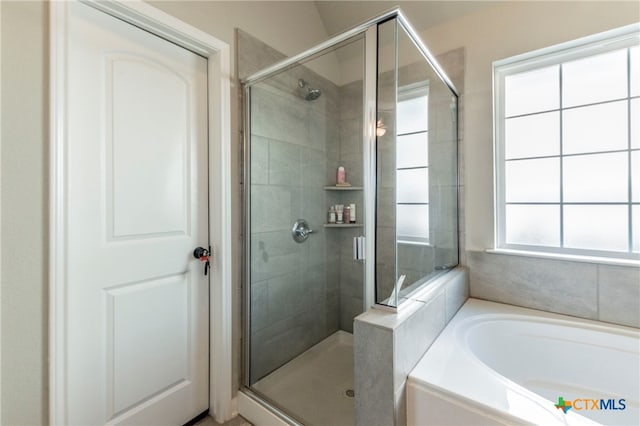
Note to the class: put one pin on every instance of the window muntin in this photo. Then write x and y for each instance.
(567, 149)
(412, 166)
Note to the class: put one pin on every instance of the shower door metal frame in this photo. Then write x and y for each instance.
(370, 31)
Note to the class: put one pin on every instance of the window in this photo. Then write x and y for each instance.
(567, 148)
(412, 165)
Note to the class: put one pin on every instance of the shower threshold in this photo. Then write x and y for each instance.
(317, 385)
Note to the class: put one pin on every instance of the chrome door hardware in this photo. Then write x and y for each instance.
(300, 231)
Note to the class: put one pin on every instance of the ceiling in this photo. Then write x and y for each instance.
(338, 16)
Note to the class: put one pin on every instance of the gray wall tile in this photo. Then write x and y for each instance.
(549, 285)
(373, 358)
(456, 293)
(415, 335)
(409, 334)
(401, 407)
(284, 164)
(619, 295)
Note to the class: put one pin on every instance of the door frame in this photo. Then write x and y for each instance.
(217, 54)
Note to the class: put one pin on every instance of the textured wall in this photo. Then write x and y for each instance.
(24, 180)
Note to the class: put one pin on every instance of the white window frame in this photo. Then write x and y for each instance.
(405, 93)
(608, 41)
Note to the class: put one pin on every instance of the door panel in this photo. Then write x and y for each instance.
(138, 313)
(162, 185)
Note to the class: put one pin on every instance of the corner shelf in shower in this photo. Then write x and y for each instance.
(343, 188)
(343, 225)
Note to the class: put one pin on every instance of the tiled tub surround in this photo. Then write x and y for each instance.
(586, 290)
(388, 345)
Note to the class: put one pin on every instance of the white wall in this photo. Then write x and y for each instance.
(495, 33)
(24, 213)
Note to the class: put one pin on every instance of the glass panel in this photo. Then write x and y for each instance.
(635, 123)
(532, 91)
(595, 79)
(635, 211)
(532, 180)
(596, 227)
(532, 136)
(413, 186)
(635, 71)
(413, 150)
(635, 176)
(413, 221)
(413, 115)
(387, 84)
(596, 177)
(303, 125)
(595, 128)
(410, 92)
(533, 225)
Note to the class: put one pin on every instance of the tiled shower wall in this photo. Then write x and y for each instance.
(346, 151)
(293, 304)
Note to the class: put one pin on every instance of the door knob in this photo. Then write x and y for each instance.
(200, 252)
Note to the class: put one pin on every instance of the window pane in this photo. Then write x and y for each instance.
(594, 79)
(413, 221)
(533, 225)
(412, 150)
(635, 123)
(412, 186)
(532, 180)
(412, 115)
(596, 227)
(635, 211)
(595, 128)
(532, 136)
(635, 71)
(635, 176)
(532, 91)
(596, 177)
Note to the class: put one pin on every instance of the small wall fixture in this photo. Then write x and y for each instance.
(380, 128)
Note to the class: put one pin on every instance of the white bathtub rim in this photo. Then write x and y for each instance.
(501, 387)
(486, 411)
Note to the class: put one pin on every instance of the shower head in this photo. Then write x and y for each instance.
(310, 94)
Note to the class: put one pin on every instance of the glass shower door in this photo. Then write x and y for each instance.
(304, 285)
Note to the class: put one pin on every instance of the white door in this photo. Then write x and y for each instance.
(138, 311)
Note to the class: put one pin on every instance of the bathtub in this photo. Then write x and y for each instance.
(500, 364)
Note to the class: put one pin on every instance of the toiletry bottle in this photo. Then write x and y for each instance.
(345, 216)
(341, 176)
(332, 215)
(352, 213)
(339, 212)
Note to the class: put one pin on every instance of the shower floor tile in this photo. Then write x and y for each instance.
(313, 386)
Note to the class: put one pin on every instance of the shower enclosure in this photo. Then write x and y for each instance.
(350, 203)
